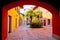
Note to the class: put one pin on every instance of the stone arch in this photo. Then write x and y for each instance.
(54, 12)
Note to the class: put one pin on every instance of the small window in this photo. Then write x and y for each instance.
(48, 21)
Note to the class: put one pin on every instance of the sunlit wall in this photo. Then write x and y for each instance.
(14, 18)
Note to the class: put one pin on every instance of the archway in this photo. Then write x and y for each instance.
(20, 3)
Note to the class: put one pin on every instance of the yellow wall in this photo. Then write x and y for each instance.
(13, 13)
(46, 13)
(22, 17)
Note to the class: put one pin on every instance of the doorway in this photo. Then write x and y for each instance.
(9, 23)
(44, 22)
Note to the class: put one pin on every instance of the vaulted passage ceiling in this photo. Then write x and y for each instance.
(54, 3)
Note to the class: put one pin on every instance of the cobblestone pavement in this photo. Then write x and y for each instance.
(25, 33)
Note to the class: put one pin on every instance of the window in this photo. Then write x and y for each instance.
(48, 21)
(16, 22)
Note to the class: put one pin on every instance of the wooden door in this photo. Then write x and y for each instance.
(9, 27)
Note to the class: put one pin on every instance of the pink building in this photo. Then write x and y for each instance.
(46, 22)
(46, 16)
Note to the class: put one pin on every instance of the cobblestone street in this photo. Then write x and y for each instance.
(26, 33)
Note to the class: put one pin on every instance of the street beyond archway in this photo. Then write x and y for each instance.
(25, 33)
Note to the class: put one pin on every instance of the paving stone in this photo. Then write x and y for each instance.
(25, 33)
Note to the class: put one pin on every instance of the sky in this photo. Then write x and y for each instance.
(26, 8)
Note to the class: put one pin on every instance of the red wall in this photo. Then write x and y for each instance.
(4, 23)
(54, 12)
(55, 23)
